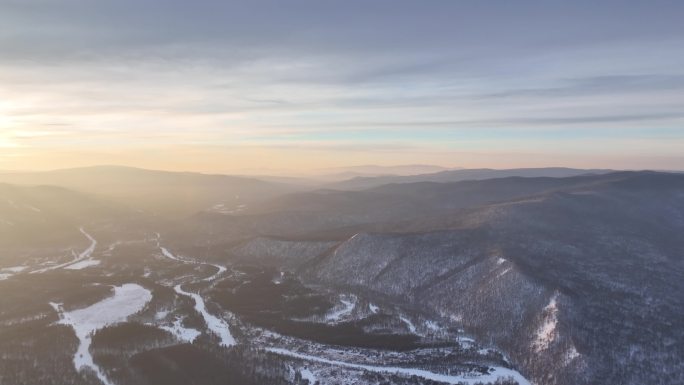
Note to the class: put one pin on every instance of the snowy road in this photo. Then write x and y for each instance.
(76, 264)
(496, 371)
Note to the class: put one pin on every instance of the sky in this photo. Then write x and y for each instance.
(229, 86)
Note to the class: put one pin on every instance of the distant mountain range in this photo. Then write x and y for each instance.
(342, 173)
(176, 194)
(46, 214)
(362, 183)
(159, 192)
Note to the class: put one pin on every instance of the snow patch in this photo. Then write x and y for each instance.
(348, 304)
(83, 264)
(432, 326)
(222, 208)
(373, 309)
(14, 269)
(170, 255)
(181, 332)
(570, 355)
(161, 314)
(33, 208)
(501, 274)
(279, 279)
(308, 375)
(409, 324)
(546, 333)
(220, 270)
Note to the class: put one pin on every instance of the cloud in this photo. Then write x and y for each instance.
(335, 74)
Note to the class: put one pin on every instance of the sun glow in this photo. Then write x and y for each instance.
(6, 134)
(10, 127)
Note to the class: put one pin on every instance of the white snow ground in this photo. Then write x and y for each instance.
(7, 272)
(546, 333)
(348, 305)
(216, 325)
(308, 375)
(432, 326)
(83, 264)
(501, 274)
(170, 255)
(14, 269)
(221, 270)
(128, 299)
(471, 378)
(409, 324)
(181, 332)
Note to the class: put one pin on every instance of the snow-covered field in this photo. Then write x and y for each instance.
(127, 300)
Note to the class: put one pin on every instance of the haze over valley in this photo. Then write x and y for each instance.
(515, 279)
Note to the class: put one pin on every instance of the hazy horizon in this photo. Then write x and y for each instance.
(223, 87)
(350, 171)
